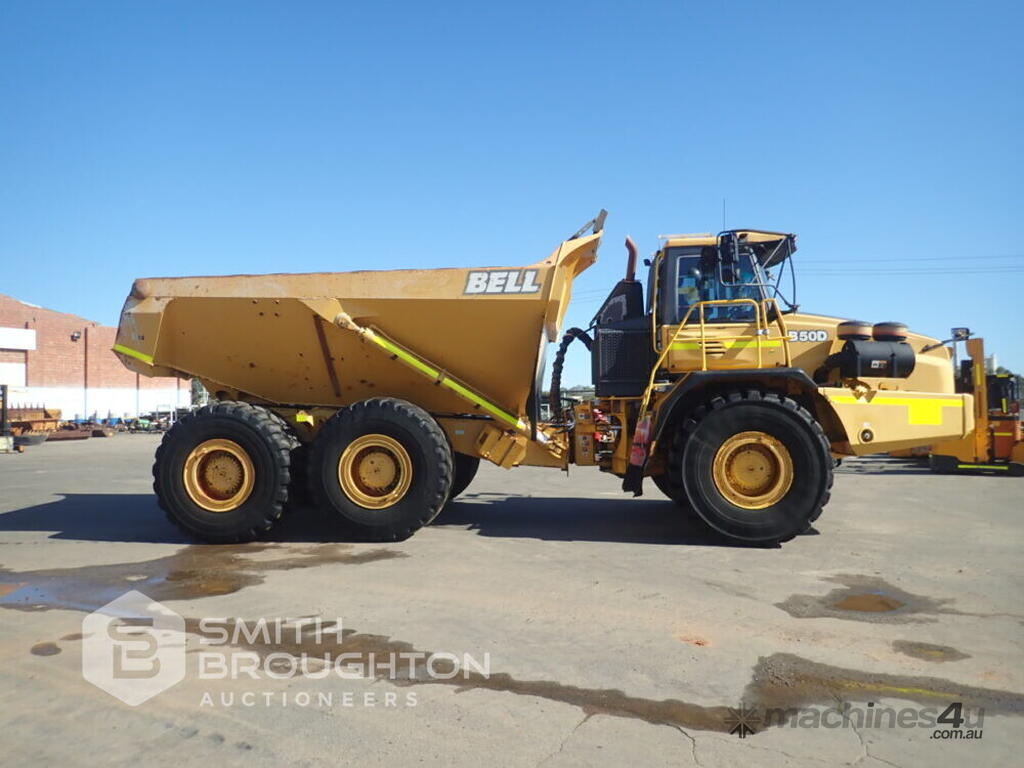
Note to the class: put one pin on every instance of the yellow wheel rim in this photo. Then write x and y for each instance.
(219, 475)
(753, 470)
(375, 471)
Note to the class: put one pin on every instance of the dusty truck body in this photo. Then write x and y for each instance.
(379, 392)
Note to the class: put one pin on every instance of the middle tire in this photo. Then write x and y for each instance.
(384, 465)
(465, 470)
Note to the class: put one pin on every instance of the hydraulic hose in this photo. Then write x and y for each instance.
(555, 397)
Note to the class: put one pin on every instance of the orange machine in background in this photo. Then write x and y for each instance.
(997, 443)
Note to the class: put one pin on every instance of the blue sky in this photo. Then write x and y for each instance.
(165, 138)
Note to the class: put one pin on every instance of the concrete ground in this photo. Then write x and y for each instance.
(599, 629)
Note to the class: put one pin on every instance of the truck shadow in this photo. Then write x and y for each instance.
(138, 518)
(633, 521)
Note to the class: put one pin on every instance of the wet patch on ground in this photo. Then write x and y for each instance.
(200, 570)
(928, 652)
(45, 649)
(872, 599)
(778, 682)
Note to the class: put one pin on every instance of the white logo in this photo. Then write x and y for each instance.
(133, 648)
(812, 335)
(502, 281)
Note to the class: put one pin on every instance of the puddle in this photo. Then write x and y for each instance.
(869, 603)
(200, 570)
(928, 652)
(6, 589)
(869, 598)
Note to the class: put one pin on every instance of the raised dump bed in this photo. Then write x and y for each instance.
(295, 339)
(439, 368)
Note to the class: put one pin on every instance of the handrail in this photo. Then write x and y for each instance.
(760, 334)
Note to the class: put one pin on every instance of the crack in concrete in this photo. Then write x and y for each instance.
(561, 746)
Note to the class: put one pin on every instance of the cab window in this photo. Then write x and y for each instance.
(698, 278)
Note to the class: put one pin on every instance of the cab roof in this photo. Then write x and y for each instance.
(769, 253)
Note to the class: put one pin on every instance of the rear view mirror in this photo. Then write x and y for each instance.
(728, 257)
(728, 249)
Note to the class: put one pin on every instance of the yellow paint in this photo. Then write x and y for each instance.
(920, 411)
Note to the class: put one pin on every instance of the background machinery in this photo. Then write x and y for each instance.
(996, 444)
(379, 392)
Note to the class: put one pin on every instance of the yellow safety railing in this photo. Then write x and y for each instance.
(759, 339)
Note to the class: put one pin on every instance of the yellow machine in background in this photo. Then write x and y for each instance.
(380, 392)
(996, 444)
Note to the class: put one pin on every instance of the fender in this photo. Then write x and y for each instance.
(633, 480)
(700, 379)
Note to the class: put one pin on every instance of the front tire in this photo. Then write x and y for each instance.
(221, 474)
(384, 466)
(756, 466)
(674, 490)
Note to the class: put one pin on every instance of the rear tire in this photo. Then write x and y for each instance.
(756, 466)
(221, 473)
(384, 466)
(465, 470)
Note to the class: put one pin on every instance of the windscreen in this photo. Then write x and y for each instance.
(700, 279)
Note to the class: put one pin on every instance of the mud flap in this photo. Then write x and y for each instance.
(633, 481)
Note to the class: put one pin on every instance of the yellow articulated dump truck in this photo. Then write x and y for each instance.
(380, 392)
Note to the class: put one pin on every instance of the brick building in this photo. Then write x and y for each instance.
(64, 361)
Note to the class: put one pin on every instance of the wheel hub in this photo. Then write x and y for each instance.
(219, 475)
(753, 470)
(375, 471)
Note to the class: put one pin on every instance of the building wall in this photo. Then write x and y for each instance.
(81, 376)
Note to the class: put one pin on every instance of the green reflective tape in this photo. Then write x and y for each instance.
(400, 353)
(433, 373)
(728, 343)
(491, 408)
(981, 466)
(134, 353)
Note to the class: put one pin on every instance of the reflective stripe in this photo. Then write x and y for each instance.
(981, 466)
(728, 343)
(444, 381)
(920, 411)
(1003, 434)
(133, 353)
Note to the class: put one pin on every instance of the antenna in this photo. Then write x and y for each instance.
(723, 214)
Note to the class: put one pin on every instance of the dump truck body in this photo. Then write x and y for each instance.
(274, 339)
